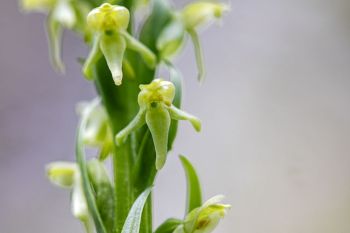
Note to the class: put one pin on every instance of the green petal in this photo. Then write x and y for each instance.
(158, 121)
(198, 53)
(94, 55)
(178, 114)
(147, 55)
(113, 48)
(137, 122)
(55, 32)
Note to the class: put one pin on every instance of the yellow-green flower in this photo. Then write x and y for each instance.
(204, 219)
(156, 110)
(186, 22)
(67, 175)
(109, 24)
(97, 132)
(61, 14)
(200, 13)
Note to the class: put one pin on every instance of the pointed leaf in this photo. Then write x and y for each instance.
(90, 199)
(194, 193)
(103, 192)
(133, 221)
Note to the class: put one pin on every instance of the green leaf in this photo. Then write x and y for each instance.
(88, 192)
(194, 193)
(133, 221)
(103, 192)
(176, 79)
(168, 226)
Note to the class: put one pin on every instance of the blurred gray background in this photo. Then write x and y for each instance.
(275, 108)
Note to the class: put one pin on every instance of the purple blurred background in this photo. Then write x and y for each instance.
(275, 108)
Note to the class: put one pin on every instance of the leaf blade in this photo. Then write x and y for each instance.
(90, 199)
(194, 193)
(133, 221)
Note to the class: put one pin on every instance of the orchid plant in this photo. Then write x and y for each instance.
(133, 120)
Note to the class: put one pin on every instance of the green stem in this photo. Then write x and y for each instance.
(123, 184)
(118, 102)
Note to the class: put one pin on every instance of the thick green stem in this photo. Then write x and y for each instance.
(120, 108)
(123, 184)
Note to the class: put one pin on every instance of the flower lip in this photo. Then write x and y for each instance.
(108, 17)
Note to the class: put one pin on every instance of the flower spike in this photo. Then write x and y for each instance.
(109, 24)
(156, 110)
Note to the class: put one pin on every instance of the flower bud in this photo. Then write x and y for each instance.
(67, 175)
(61, 173)
(108, 17)
(97, 132)
(199, 13)
(204, 219)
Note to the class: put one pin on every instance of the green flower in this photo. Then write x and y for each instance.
(156, 110)
(199, 13)
(204, 219)
(186, 22)
(109, 24)
(97, 132)
(61, 14)
(67, 175)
